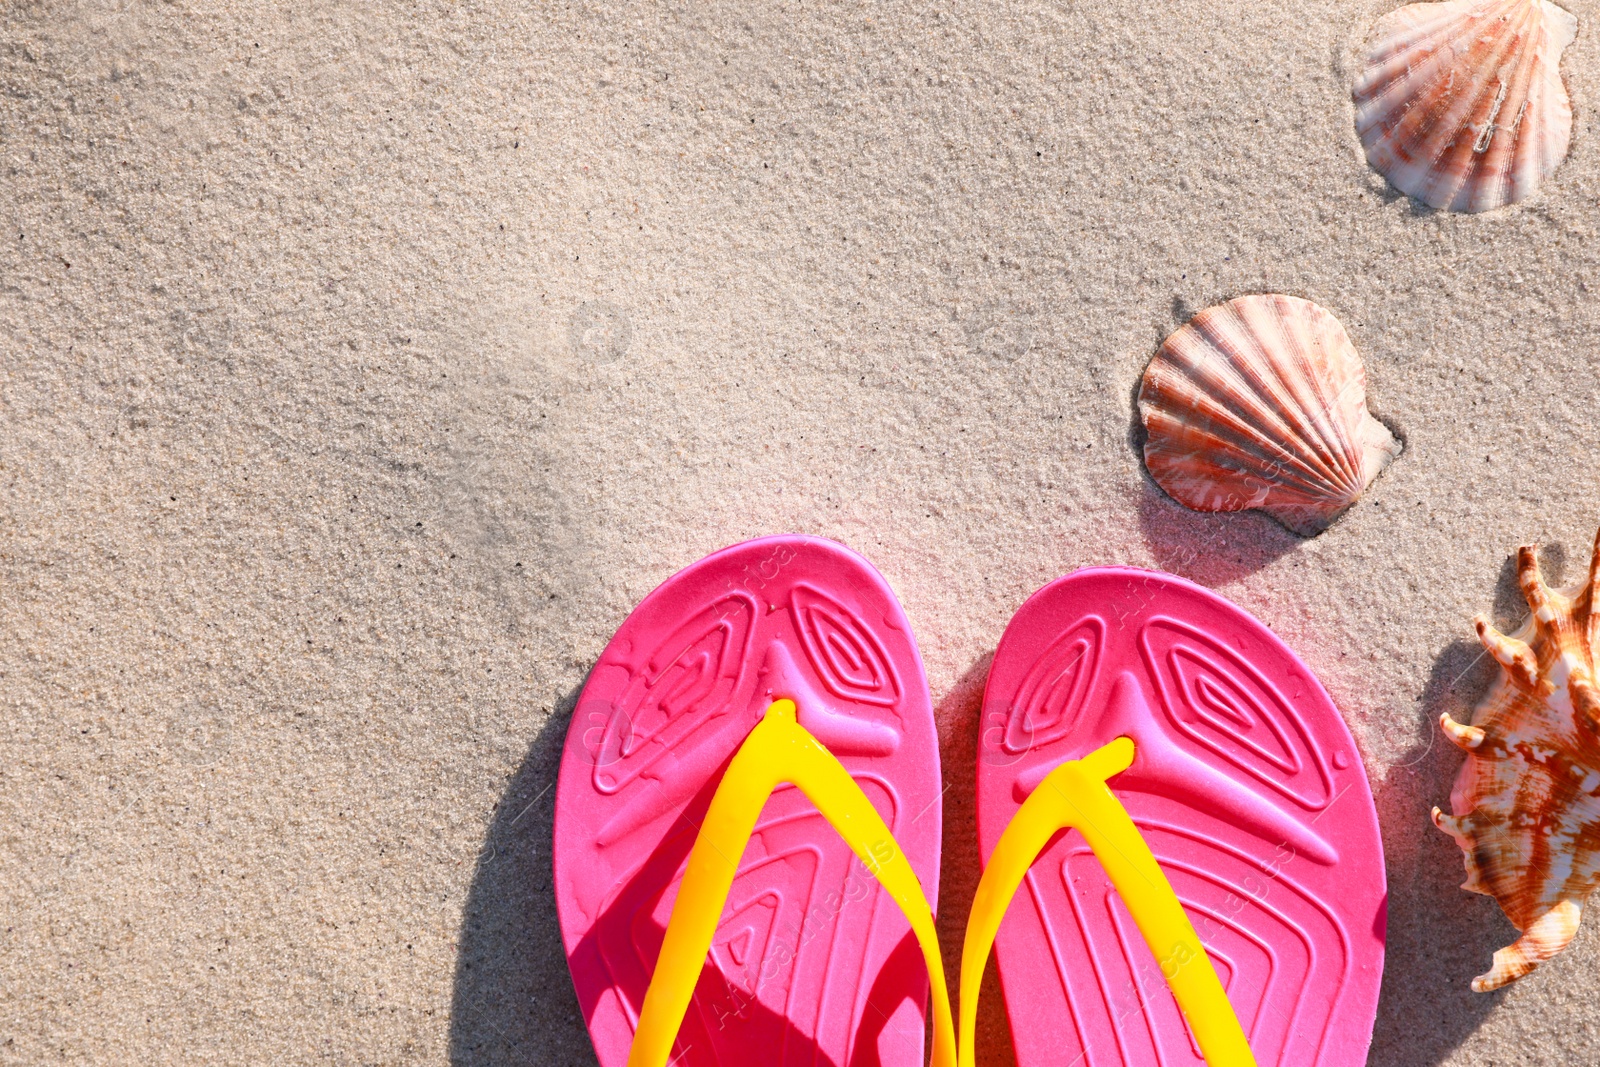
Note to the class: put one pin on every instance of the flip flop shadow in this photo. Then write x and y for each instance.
(1439, 935)
(958, 716)
(513, 1001)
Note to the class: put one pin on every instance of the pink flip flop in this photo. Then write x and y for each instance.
(1245, 784)
(811, 961)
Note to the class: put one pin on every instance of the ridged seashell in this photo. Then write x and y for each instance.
(1461, 103)
(1262, 403)
(1527, 802)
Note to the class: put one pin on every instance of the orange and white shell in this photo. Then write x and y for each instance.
(1262, 403)
(1461, 105)
(1526, 805)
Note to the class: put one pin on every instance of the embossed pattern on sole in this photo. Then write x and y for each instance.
(812, 963)
(1247, 787)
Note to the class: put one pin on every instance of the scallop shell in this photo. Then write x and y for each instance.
(1526, 805)
(1461, 103)
(1262, 403)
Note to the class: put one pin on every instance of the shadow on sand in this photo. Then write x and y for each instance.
(1439, 935)
(957, 715)
(1210, 549)
(514, 1003)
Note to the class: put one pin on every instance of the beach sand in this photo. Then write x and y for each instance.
(364, 365)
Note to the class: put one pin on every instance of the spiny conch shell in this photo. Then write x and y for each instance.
(1461, 103)
(1527, 801)
(1262, 403)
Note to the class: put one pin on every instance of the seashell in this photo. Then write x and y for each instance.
(1526, 805)
(1461, 103)
(1262, 403)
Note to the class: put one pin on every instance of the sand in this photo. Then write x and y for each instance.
(364, 365)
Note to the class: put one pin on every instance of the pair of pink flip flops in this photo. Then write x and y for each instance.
(1241, 779)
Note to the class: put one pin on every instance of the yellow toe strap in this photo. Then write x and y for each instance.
(1075, 796)
(778, 750)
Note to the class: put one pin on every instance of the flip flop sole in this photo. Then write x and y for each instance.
(811, 963)
(1250, 792)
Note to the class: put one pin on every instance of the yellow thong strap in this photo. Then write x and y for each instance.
(778, 750)
(1075, 796)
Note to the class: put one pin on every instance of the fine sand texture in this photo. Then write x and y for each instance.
(361, 366)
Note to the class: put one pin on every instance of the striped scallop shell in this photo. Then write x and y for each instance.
(1526, 803)
(1262, 403)
(1461, 103)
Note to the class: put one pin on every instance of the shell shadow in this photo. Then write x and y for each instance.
(1439, 935)
(1206, 548)
(1416, 209)
(1510, 606)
